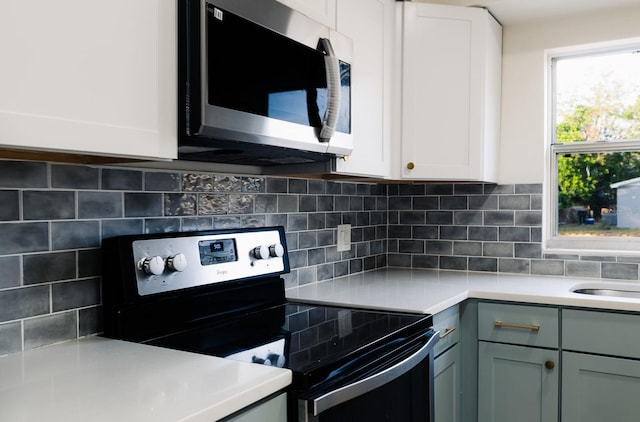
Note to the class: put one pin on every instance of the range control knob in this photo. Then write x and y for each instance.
(152, 266)
(276, 251)
(261, 252)
(177, 262)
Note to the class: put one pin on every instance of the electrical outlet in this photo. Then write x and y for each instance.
(344, 237)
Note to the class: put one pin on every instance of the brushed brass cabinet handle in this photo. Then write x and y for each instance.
(447, 331)
(519, 326)
(410, 166)
(549, 364)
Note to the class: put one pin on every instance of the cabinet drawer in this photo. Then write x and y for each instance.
(601, 332)
(447, 323)
(518, 324)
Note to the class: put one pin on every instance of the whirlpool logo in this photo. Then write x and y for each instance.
(222, 272)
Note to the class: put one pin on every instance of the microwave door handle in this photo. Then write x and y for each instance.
(332, 68)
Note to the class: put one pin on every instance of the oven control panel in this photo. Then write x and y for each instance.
(173, 263)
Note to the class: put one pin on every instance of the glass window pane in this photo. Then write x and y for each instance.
(597, 97)
(599, 194)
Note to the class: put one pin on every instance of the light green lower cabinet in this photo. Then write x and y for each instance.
(272, 410)
(447, 386)
(600, 388)
(516, 383)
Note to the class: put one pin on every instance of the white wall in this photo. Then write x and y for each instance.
(523, 86)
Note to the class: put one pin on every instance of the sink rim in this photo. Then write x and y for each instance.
(608, 289)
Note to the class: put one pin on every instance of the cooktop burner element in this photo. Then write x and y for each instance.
(221, 293)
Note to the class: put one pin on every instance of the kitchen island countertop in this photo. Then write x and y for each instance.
(432, 291)
(99, 379)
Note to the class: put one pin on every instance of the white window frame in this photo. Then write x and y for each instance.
(581, 245)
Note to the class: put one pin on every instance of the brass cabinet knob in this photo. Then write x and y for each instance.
(549, 364)
(410, 166)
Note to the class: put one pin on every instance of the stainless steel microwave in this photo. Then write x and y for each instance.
(261, 84)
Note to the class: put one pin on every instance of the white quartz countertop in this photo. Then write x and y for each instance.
(98, 379)
(431, 291)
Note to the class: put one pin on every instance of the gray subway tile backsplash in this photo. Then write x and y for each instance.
(161, 181)
(96, 204)
(20, 237)
(10, 338)
(619, 271)
(24, 302)
(582, 269)
(74, 177)
(46, 267)
(75, 294)
(483, 264)
(10, 274)
(48, 205)
(117, 179)
(50, 329)
(10, 200)
(75, 234)
(53, 218)
(23, 174)
(516, 266)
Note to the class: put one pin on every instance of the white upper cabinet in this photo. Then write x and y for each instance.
(370, 24)
(90, 78)
(323, 11)
(450, 95)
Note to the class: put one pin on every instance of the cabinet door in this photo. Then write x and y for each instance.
(272, 410)
(450, 93)
(447, 391)
(370, 24)
(515, 385)
(599, 388)
(323, 11)
(87, 77)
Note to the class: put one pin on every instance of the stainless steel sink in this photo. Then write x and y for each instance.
(629, 291)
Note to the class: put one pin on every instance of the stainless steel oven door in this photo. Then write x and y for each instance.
(399, 390)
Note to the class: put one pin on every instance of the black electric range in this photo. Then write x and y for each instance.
(221, 293)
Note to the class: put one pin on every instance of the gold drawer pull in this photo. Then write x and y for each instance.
(549, 364)
(410, 166)
(447, 331)
(522, 327)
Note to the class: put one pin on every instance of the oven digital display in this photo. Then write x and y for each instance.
(217, 251)
(217, 246)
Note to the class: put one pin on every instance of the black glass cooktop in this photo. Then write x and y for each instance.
(310, 340)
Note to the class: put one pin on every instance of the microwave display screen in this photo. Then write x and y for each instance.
(255, 70)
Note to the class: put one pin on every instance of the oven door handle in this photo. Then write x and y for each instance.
(363, 386)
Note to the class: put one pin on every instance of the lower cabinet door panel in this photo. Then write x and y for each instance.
(447, 386)
(515, 383)
(273, 410)
(600, 388)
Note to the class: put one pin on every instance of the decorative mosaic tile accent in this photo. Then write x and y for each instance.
(197, 182)
(223, 183)
(209, 204)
